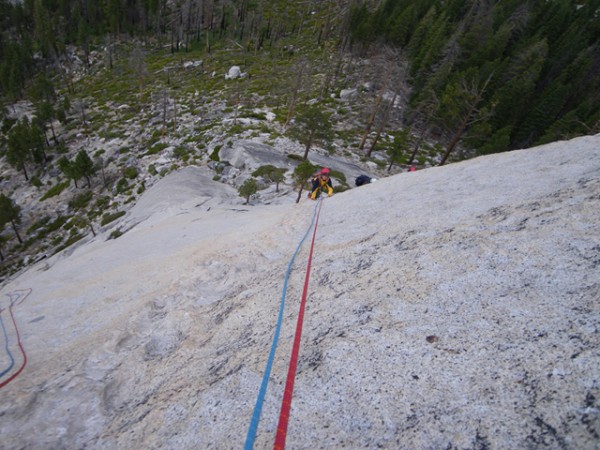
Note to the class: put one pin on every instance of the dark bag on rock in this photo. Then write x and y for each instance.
(362, 179)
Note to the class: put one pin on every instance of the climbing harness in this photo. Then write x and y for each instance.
(251, 436)
(16, 296)
(286, 403)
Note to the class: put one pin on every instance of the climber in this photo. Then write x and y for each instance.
(321, 182)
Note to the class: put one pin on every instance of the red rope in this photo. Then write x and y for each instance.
(286, 403)
(12, 303)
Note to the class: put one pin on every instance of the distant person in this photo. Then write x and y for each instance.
(412, 169)
(321, 182)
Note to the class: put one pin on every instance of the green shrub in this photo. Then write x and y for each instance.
(152, 169)
(266, 171)
(74, 238)
(181, 153)
(55, 190)
(115, 234)
(110, 217)
(130, 173)
(338, 175)
(236, 129)
(102, 202)
(156, 148)
(81, 200)
(35, 181)
(38, 224)
(122, 186)
(256, 115)
(214, 156)
(59, 222)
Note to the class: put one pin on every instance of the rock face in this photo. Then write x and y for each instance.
(251, 155)
(453, 307)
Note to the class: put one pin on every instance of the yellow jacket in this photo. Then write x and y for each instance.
(318, 185)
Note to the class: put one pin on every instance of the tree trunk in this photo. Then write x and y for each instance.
(457, 135)
(46, 138)
(386, 82)
(384, 121)
(164, 112)
(104, 181)
(391, 164)
(308, 145)
(25, 172)
(370, 122)
(174, 115)
(296, 87)
(417, 147)
(53, 133)
(14, 225)
(300, 193)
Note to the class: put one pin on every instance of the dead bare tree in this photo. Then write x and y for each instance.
(467, 98)
(335, 65)
(109, 50)
(382, 123)
(390, 72)
(139, 67)
(300, 75)
(423, 114)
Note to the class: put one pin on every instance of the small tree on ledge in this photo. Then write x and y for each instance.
(249, 188)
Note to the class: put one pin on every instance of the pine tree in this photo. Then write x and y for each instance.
(44, 35)
(398, 148)
(302, 173)
(460, 107)
(25, 144)
(10, 212)
(312, 125)
(518, 82)
(69, 169)
(84, 166)
(249, 188)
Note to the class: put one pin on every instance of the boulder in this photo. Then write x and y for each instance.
(348, 94)
(234, 72)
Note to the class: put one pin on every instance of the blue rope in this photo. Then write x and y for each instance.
(250, 438)
(12, 360)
